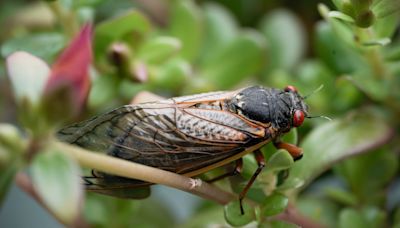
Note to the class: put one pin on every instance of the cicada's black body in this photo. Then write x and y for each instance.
(188, 135)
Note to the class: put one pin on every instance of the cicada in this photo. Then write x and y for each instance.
(190, 135)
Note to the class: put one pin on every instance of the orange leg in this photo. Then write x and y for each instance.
(296, 152)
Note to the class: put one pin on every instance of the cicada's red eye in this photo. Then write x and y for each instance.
(290, 88)
(298, 118)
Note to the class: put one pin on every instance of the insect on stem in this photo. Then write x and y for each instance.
(171, 140)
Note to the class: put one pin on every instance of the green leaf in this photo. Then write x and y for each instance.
(292, 183)
(280, 160)
(341, 196)
(336, 140)
(108, 31)
(335, 52)
(311, 75)
(345, 95)
(147, 216)
(43, 45)
(338, 3)
(226, 67)
(97, 209)
(172, 76)
(386, 27)
(104, 211)
(100, 208)
(351, 218)
(56, 179)
(159, 49)
(274, 204)
(392, 53)
(375, 216)
(128, 89)
(205, 217)
(319, 209)
(233, 215)
(374, 87)
(28, 75)
(368, 174)
(341, 28)
(249, 166)
(104, 90)
(185, 16)
(385, 8)
(286, 37)
(220, 27)
(341, 16)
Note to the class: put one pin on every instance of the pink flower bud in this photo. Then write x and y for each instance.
(69, 82)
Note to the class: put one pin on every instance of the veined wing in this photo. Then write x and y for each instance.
(168, 137)
(162, 135)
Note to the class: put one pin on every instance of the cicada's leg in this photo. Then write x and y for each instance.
(296, 152)
(261, 164)
(237, 170)
(86, 179)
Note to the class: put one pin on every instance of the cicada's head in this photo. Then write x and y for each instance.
(281, 109)
(298, 109)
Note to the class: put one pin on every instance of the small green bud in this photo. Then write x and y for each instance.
(365, 19)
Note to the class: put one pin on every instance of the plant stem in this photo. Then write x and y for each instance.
(129, 169)
(373, 54)
(292, 215)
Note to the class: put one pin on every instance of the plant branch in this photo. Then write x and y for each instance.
(134, 170)
(292, 215)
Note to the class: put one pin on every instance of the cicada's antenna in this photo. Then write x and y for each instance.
(313, 92)
(325, 117)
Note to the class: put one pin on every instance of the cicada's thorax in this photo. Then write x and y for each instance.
(269, 107)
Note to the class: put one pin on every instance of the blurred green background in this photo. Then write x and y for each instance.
(349, 176)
